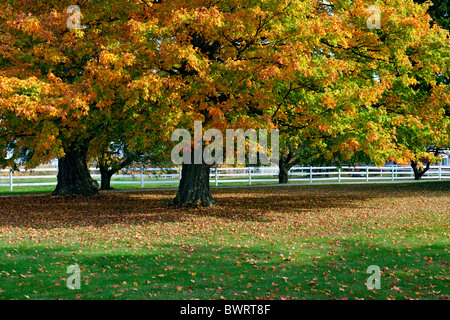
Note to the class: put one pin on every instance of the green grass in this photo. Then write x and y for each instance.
(307, 242)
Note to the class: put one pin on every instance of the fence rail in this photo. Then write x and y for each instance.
(218, 175)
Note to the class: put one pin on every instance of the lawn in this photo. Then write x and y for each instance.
(293, 242)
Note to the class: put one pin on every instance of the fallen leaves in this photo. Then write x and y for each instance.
(317, 244)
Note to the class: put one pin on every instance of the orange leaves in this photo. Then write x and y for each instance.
(207, 19)
(22, 96)
(148, 88)
(33, 97)
(352, 144)
(108, 58)
(26, 23)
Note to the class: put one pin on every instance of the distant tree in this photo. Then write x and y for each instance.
(421, 166)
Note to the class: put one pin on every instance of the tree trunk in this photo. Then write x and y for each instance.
(105, 182)
(74, 177)
(109, 168)
(283, 175)
(194, 186)
(285, 164)
(418, 172)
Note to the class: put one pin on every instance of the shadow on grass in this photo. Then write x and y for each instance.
(316, 270)
(245, 204)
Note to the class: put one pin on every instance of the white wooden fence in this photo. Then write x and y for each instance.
(247, 175)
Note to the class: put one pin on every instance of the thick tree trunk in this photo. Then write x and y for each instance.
(105, 182)
(283, 175)
(418, 172)
(73, 175)
(194, 186)
(284, 165)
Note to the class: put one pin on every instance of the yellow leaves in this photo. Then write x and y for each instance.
(27, 24)
(352, 144)
(32, 97)
(108, 58)
(21, 96)
(47, 54)
(271, 72)
(211, 17)
(148, 88)
(196, 62)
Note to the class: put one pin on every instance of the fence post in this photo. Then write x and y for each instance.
(392, 172)
(249, 176)
(367, 173)
(217, 182)
(10, 180)
(339, 174)
(310, 174)
(142, 178)
(440, 167)
(180, 172)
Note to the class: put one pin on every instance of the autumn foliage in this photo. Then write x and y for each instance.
(136, 70)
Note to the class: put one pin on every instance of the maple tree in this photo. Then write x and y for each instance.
(375, 109)
(294, 65)
(136, 70)
(421, 166)
(67, 93)
(113, 159)
(439, 11)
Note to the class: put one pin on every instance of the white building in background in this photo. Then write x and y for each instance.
(445, 159)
